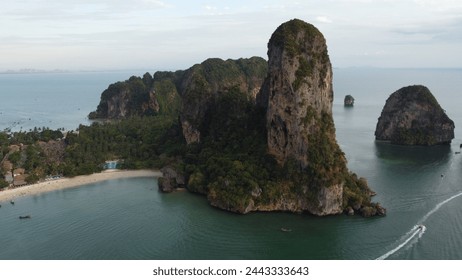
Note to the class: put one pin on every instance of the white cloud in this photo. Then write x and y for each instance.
(440, 5)
(180, 32)
(323, 19)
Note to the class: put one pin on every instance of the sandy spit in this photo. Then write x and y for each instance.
(63, 183)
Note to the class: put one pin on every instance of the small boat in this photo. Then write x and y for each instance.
(25, 217)
(420, 227)
(12, 202)
(286, 229)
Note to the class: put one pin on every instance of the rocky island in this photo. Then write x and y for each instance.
(250, 134)
(349, 101)
(413, 116)
(298, 95)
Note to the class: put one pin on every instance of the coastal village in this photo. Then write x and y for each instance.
(21, 174)
(14, 175)
(11, 173)
(14, 160)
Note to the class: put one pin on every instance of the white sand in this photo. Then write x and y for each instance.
(63, 183)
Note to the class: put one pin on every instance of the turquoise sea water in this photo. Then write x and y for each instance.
(129, 219)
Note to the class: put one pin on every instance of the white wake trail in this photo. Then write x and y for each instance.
(418, 229)
(438, 206)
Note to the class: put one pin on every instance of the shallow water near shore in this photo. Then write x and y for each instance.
(130, 219)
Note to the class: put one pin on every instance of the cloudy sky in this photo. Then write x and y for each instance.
(163, 34)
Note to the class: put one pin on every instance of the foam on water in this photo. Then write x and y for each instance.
(416, 232)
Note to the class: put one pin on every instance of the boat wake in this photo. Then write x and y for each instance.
(438, 206)
(418, 230)
(414, 234)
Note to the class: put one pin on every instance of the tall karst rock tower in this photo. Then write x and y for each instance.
(298, 95)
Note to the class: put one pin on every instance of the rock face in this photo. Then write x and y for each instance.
(299, 95)
(412, 116)
(204, 82)
(299, 89)
(349, 101)
(136, 96)
(171, 180)
(189, 93)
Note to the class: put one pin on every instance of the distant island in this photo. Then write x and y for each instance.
(349, 101)
(249, 134)
(413, 116)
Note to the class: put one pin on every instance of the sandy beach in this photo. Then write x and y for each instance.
(64, 183)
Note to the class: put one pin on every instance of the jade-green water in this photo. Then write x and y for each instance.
(130, 219)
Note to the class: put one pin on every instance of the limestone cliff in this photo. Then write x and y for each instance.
(300, 89)
(204, 82)
(135, 96)
(260, 135)
(412, 116)
(189, 93)
(299, 113)
(278, 152)
(171, 180)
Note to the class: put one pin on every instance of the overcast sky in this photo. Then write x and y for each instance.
(158, 35)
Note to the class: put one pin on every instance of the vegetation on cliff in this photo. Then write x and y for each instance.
(231, 164)
(232, 167)
(202, 83)
(287, 36)
(298, 94)
(291, 38)
(413, 116)
(138, 96)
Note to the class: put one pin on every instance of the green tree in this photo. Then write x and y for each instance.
(15, 158)
(3, 183)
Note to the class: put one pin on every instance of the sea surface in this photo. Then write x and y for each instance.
(421, 187)
(54, 100)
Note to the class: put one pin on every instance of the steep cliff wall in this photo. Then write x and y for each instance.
(299, 113)
(277, 152)
(135, 96)
(412, 116)
(300, 89)
(204, 82)
(189, 93)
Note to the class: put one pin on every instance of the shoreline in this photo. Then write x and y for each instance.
(64, 183)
